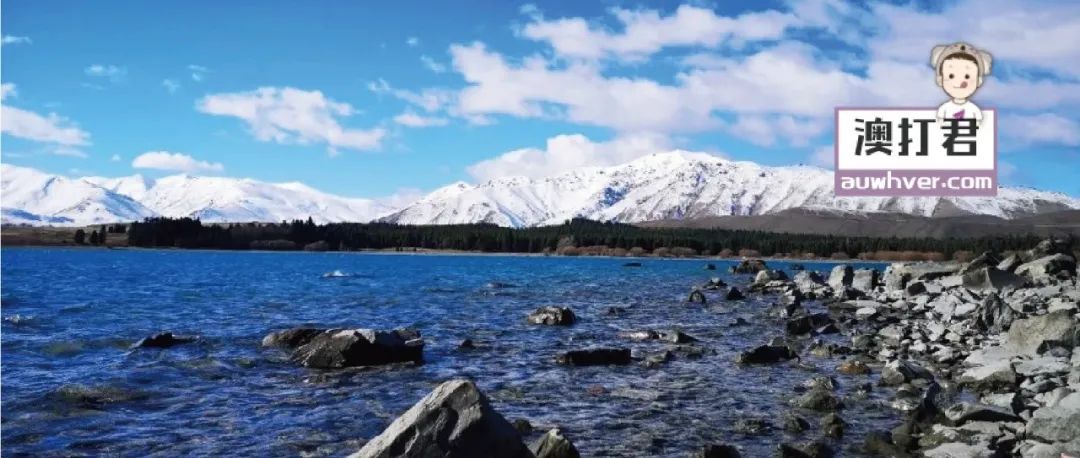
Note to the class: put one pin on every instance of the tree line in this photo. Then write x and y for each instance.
(574, 237)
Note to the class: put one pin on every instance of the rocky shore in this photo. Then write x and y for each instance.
(979, 359)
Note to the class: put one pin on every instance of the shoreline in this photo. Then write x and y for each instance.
(429, 252)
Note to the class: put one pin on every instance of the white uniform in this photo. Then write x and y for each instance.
(953, 110)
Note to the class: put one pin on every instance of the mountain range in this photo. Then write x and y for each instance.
(672, 186)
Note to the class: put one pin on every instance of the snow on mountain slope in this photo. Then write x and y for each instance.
(682, 185)
(220, 199)
(32, 197)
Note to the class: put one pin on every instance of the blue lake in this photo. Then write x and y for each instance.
(71, 386)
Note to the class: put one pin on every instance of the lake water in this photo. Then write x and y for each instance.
(71, 386)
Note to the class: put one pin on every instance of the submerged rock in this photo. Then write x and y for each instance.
(595, 357)
(453, 420)
(163, 340)
(734, 294)
(338, 348)
(766, 354)
(749, 266)
(553, 316)
(819, 399)
(718, 451)
(696, 296)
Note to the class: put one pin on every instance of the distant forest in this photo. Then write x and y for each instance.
(574, 237)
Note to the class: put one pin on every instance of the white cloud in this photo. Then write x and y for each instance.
(50, 128)
(412, 41)
(567, 152)
(767, 130)
(431, 99)
(1045, 128)
(64, 150)
(170, 85)
(289, 115)
(1040, 34)
(115, 158)
(198, 72)
(175, 162)
(645, 32)
(411, 119)
(15, 40)
(432, 65)
(114, 73)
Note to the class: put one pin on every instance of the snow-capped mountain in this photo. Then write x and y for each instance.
(32, 197)
(682, 185)
(665, 186)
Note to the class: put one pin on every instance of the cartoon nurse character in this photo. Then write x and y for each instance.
(960, 70)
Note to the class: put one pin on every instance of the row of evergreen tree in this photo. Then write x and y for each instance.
(297, 235)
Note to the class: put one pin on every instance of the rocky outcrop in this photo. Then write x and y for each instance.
(766, 354)
(454, 420)
(338, 348)
(553, 316)
(1046, 268)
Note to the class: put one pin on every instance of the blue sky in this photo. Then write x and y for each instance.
(370, 100)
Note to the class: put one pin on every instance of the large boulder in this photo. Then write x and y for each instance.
(808, 281)
(992, 279)
(554, 444)
(338, 348)
(595, 357)
(454, 420)
(986, 259)
(841, 276)
(749, 266)
(1057, 422)
(1047, 267)
(864, 280)
(897, 275)
(1032, 335)
(553, 316)
(1046, 248)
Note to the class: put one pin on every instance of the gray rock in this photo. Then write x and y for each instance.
(767, 275)
(994, 315)
(960, 450)
(841, 276)
(818, 399)
(992, 279)
(1045, 268)
(734, 294)
(864, 280)
(595, 357)
(993, 376)
(766, 354)
(552, 316)
(163, 340)
(808, 281)
(1031, 336)
(749, 266)
(553, 444)
(806, 323)
(454, 420)
(899, 372)
(965, 412)
(718, 451)
(1010, 263)
(986, 259)
(1059, 422)
(697, 296)
(338, 348)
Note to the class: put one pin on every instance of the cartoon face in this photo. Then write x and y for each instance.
(959, 75)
